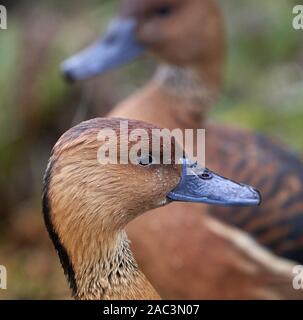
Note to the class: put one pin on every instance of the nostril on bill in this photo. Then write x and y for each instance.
(206, 175)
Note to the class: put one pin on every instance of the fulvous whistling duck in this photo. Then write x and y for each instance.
(87, 205)
(188, 38)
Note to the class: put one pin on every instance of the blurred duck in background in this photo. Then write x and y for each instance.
(207, 252)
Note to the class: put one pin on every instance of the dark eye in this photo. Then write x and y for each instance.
(206, 175)
(146, 160)
(163, 11)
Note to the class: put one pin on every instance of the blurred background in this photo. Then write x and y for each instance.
(263, 91)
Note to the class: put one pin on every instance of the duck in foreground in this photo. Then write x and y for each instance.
(87, 205)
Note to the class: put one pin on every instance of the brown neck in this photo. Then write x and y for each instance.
(198, 86)
(107, 270)
(175, 97)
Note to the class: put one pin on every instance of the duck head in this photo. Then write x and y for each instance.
(87, 202)
(108, 196)
(184, 33)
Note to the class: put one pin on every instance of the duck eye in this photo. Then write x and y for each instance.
(206, 175)
(146, 160)
(163, 11)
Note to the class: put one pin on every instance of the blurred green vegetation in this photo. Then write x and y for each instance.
(263, 91)
(264, 74)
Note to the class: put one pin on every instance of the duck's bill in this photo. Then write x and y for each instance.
(198, 184)
(118, 47)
